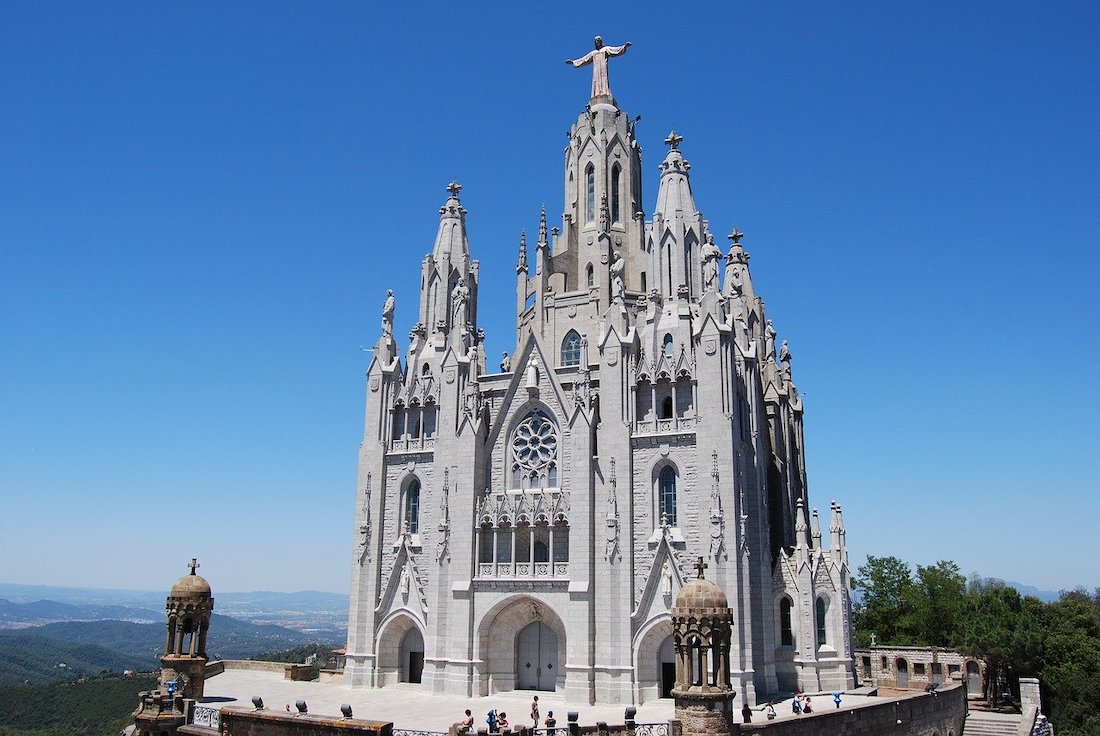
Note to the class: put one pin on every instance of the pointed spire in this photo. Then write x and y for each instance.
(542, 228)
(815, 530)
(836, 528)
(799, 522)
(521, 263)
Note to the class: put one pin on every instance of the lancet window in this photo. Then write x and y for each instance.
(666, 495)
(819, 610)
(786, 633)
(411, 506)
(571, 349)
(616, 175)
(590, 194)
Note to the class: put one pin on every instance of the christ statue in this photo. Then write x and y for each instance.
(598, 59)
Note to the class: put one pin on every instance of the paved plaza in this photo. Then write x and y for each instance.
(407, 707)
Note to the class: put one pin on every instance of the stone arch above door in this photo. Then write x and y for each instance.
(497, 635)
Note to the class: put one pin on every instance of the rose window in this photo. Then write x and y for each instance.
(534, 452)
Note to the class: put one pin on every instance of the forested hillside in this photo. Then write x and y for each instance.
(95, 707)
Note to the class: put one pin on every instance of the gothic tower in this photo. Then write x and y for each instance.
(528, 528)
(183, 663)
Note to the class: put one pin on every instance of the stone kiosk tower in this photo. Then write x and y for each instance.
(162, 711)
(702, 628)
(189, 606)
(528, 527)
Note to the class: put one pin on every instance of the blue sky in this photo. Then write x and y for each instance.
(202, 204)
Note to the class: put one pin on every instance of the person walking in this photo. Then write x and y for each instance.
(746, 712)
(535, 711)
(769, 711)
(796, 704)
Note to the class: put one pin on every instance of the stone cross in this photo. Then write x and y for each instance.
(736, 235)
(193, 565)
(454, 188)
(700, 566)
(673, 140)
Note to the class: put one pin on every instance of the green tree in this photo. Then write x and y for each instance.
(939, 601)
(885, 608)
(1070, 660)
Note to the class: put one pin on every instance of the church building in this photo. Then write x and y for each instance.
(528, 525)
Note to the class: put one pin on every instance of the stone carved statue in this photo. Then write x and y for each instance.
(711, 255)
(404, 584)
(387, 314)
(598, 59)
(666, 579)
(784, 353)
(505, 363)
(459, 297)
(769, 340)
(533, 373)
(618, 265)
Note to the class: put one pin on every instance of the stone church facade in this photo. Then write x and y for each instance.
(528, 526)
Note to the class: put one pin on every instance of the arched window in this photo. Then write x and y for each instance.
(616, 171)
(666, 408)
(590, 196)
(819, 610)
(412, 505)
(666, 494)
(786, 633)
(426, 370)
(590, 276)
(666, 344)
(571, 349)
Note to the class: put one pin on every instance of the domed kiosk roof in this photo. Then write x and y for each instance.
(191, 586)
(700, 592)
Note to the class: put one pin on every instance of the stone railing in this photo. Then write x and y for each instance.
(523, 570)
(665, 426)
(412, 444)
(206, 716)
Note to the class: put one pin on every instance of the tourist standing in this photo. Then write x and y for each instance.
(769, 711)
(796, 704)
(535, 711)
(746, 712)
(806, 707)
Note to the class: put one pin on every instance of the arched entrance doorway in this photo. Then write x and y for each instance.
(903, 673)
(522, 646)
(654, 660)
(400, 646)
(973, 679)
(412, 656)
(666, 660)
(536, 657)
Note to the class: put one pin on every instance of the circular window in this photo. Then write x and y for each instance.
(535, 442)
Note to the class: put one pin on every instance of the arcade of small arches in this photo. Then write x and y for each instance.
(521, 644)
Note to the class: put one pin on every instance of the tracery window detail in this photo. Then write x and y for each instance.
(534, 449)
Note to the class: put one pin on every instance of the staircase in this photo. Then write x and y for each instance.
(979, 723)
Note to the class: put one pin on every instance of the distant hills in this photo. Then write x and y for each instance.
(49, 633)
(67, 649)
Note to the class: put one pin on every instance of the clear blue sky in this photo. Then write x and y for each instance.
(202, 204)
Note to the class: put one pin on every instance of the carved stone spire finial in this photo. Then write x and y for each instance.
(673, 141)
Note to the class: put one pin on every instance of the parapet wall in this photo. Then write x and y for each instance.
(244, 722)
(929, 714)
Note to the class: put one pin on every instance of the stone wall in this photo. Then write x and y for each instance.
(930, 714)
(244, 722)
(920, 667)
